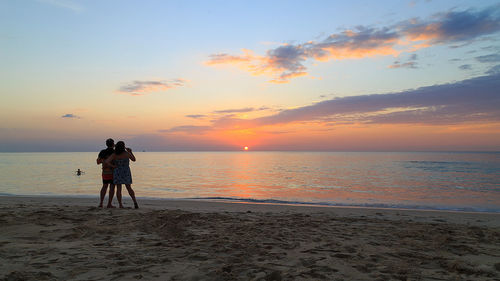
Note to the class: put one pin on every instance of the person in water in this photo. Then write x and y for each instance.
(107, 173)
(121, 173)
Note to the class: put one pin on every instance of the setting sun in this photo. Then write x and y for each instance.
(245, 148)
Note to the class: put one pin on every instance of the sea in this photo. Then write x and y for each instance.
(455, 181)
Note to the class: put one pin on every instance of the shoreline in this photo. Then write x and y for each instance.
(276, 202)
(490, 219)
(47, 238)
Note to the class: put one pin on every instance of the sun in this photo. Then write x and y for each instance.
(245, 148)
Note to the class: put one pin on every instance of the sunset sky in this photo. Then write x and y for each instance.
(270, 75)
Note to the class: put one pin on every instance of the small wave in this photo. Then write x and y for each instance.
(285, 202)
(453, 166)
(334, 204)
(6, 194)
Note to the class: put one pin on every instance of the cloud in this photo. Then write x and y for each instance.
(286, 76)
(357, 43)
(247, 61)
(397, 64)
(196, 116)
(139, 88)
(495, 70)
(239, 110)
(453, 27)
(465, 67)
(70, 115)
(489, 58)
(468, 100)
(188, 129)
(472, 100)
(227, 113)
(178, 142)
(289, 61)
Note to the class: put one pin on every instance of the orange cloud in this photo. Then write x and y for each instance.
(472, 101)
(358, 53)
(273, 65)
(285, 77)
(288, 61)
(424, 33)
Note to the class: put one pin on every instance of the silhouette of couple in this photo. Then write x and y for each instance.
(116, 171)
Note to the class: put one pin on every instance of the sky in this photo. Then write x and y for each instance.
(270, 75)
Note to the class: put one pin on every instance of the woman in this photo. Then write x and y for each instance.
(121, 173)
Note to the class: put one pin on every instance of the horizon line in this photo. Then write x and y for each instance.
(249, 151)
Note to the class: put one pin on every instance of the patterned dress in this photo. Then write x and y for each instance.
(122, 174)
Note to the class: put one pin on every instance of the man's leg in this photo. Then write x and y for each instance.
(103, 193)
(111, 194)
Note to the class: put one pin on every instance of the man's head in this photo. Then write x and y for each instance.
(110, 143)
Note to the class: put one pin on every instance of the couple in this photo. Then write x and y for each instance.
(116, 171)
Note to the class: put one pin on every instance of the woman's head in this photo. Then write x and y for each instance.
(120, 147)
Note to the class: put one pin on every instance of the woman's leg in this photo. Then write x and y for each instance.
(103, 193)
(119, 194)
(132, 195)
(111, 194)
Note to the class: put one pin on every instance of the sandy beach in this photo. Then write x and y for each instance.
(57, 238)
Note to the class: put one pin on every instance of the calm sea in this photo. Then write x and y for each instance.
(451, 181)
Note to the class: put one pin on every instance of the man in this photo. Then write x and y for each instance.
(107, 173)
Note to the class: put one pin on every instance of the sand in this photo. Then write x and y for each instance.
(43, 238)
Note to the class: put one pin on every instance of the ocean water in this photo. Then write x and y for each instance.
(450, 181)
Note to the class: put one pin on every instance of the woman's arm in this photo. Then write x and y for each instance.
(109, 161)
(99, 161)
(131, 155)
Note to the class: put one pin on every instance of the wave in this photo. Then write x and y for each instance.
(354, 205)
(285, 202)
(453, 167)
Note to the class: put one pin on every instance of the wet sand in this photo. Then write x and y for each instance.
(47, 238)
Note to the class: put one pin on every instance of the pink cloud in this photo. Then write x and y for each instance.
(288, 61)
(473, 100)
